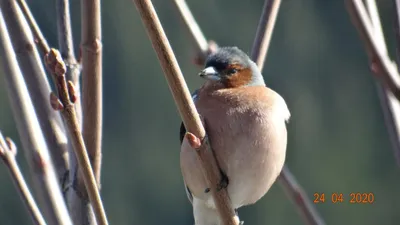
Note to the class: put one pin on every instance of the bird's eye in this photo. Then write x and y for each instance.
(231, 71)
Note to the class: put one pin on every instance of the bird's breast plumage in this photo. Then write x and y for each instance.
(247, 132)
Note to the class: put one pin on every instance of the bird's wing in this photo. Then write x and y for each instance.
(182, 133)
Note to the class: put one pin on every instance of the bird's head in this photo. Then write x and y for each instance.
(232, 68)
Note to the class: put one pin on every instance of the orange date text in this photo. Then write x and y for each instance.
(352, 198)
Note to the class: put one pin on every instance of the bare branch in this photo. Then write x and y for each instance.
(41, 40)
(298, 196)
(186, 107)
(381, 65)
(33, 142)
(370, 30)
(264, 31)
(57, 67)
(92, 96)
(8, 153)
(191, 24)
(37, 83)
(259, 52)
(204, 47)
(66, 46)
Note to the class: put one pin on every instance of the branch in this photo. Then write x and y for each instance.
(204, 47)
(92, 98)
(370, 31)
(264, 31)
(298, 196)
(64, 103)
(66, 46)
(41, 41)
(381, 65)
(259, 51)
(38, 85)
(33, 142)
(8, 151)
(186, 109)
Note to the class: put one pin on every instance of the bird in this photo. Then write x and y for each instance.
(246, 126)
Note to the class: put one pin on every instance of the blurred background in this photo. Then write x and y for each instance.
(338, 142)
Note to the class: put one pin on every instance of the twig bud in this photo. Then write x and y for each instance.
(55, 102)
(72, 91)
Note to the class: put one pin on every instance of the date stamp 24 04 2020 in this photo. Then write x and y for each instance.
(352, 198)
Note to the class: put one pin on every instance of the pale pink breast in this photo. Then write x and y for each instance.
(248, 137)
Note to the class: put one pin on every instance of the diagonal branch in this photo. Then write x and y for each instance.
(8, 152)
(41, 41)
(190, 117)
(381, 65)
(370, 31)
(204, 47)
(64, 103)
(287, 180)
(35, 149)
(299, 197)
(37, 83)
(264, 31)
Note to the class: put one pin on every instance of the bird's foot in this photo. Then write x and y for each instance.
(223, 183)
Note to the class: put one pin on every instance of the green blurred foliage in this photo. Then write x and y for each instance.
(338, 142)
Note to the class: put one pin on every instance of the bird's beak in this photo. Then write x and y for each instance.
(210, 73)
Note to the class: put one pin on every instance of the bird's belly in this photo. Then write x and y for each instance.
(246, 153)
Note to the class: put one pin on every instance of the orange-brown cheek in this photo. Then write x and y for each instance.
(239, 79)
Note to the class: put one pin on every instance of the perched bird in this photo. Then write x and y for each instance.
(245, 123)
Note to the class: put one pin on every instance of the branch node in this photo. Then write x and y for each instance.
(11, 146)
(55, 102)
(193, 140)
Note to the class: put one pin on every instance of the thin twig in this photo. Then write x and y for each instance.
(259, 52)
(204, 47)
(264, 31)
(298, 196)
(37, 83)
(191, 24)
(381, 66)
(64, 103)
(41, 41)
(66, 47)
(92, 96)
(186, 108)
(35, 149)
(8, 153)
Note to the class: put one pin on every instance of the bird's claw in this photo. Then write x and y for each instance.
(223, 183)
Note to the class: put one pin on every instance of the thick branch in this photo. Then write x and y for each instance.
(8, 152)
(92, 96)
(34, 145)
(370, 30)
(37, 83)
(264, 31)
(186, 107)
(66, 95)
